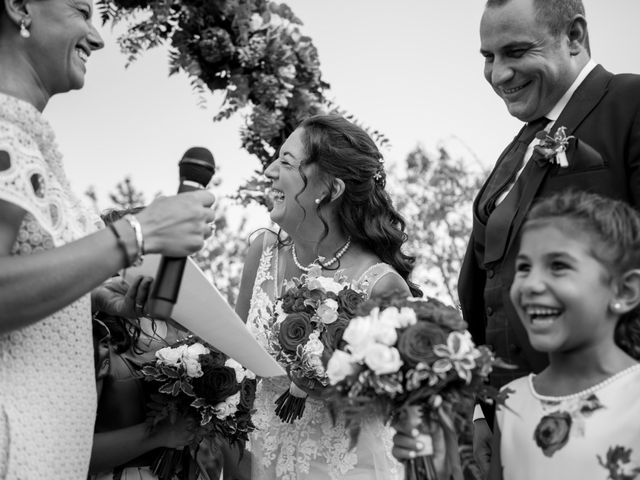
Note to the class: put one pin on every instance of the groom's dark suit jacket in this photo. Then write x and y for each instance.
(604, 117)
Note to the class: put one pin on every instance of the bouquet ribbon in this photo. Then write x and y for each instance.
(290, 405)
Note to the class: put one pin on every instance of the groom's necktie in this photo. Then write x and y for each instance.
(508, 168)
(497, 231)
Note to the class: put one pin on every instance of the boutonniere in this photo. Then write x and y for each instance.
(553, 149)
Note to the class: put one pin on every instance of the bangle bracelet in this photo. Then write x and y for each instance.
(121, 244)
(137, 229)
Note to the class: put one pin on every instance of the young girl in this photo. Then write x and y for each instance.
(577, 291)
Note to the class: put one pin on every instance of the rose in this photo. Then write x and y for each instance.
(171, 355)
(293, 302)
(247, 394)
(382, 359)
(334, 332)
(340, 366)
(239, 369)
(216, 384)
(324, 283)
(552, 433)
(313, 346)
(294, 330)
(328, 311)
(348, 301)
(192, 366)
(437, 312)
(359, 334)
(385, 326)
(191, 359)
(406, 317)
(224, 410)
(417, 341)
(213, 359)
(313, 363)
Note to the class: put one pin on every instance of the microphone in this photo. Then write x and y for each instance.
(196, 169)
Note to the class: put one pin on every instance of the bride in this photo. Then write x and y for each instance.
(329, 197)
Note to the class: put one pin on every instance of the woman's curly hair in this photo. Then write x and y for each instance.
(341, 149)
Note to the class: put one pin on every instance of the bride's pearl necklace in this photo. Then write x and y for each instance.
(319, 260)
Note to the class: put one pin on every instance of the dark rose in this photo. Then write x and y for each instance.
(216, 384)
(552, 433)
(437, 312)
(416, 343)
(294, 330)
(333, 335)
(214, 359)
(247, 394)
(348, 301)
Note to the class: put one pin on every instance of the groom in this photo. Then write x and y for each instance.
(537, 59)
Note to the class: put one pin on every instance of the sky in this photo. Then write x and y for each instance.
(410, 69)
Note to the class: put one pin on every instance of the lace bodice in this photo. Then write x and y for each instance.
(47, 379)
(312, 447)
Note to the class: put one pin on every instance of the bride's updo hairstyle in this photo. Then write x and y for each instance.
(340, 149)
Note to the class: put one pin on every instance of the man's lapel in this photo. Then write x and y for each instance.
(582, 102)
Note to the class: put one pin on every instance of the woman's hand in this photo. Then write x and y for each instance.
(177, 226)
(178, 434)
(414, 438)
(119, 298)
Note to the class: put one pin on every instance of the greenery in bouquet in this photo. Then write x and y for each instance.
(401, 352)
(191, 378)
(308, 321)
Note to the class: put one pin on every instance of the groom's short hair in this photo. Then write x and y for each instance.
(555, 14)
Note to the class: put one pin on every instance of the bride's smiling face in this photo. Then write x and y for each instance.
(291, 196)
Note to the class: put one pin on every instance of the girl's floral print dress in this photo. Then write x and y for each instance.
(590, 435)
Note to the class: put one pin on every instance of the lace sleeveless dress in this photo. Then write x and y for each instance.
(47, 382)
(312, 448)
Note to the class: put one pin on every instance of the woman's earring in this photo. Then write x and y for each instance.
(616, 307)
(24, 30)
(318, 200)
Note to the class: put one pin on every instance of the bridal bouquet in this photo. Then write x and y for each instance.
(308, 322)
(404, 352)
(195, 379)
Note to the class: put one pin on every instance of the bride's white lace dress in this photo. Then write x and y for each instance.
(312, 447)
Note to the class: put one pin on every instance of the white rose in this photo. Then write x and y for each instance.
(325, 283)
(223, 410)
(194, 351)
(382, 359)
(328, 311)
(249, 374)
(384, 326)
(340, 366)
(171, 356)
(314, 362)
(233, 400)
(194, 370)
(406, 317)
(239, 369)
(256, 21)
(313, 347)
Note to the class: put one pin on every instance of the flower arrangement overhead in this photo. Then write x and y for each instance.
(251, 50)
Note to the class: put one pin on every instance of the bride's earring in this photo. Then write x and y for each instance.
(616, 307)
(318, 200)
(24, 30)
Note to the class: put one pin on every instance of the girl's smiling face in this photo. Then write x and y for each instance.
(561, 292)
